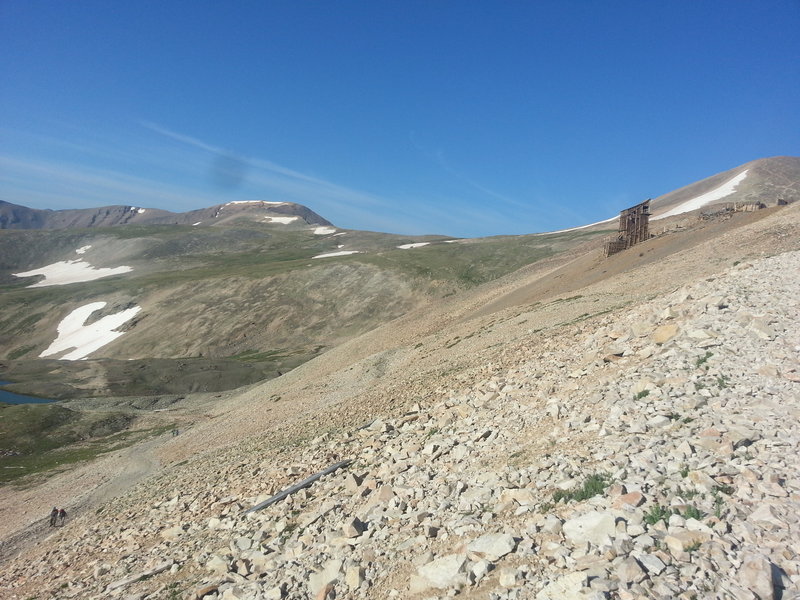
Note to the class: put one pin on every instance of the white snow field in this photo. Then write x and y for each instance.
(71, 271)
(726, 189)
(342, 253)
(581, 227)
(85, 339)
(283, 220)
(410, 246)
(83, 249)
(324, 230)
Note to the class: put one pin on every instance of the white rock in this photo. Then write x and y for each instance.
(492, 546)
(567, 587)
(596, 527)
(445, 572)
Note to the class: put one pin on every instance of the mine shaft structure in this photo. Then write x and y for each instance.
(634, 227)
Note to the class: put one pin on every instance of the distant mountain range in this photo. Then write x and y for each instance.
(765, 180)
(14, 216)
(243, 291)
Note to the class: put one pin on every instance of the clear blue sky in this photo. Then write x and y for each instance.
(466, 118)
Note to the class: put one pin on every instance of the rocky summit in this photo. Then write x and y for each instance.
(648, 452)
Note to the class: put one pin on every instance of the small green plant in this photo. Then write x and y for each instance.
(703, 359)
(737, 262)
(673, 416)
(642, 394)
(688, 494)
(687, 419)
(722, 382)
(684, 471)
(592, 486)
(692, 512)
(546, 507)
(173, 591)
(657, 513)
(699, 385)
(718, 502)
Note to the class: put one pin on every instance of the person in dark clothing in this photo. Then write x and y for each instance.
(53, 516)
(62, 515)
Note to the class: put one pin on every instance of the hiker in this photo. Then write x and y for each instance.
(53, 516)
(62, 515)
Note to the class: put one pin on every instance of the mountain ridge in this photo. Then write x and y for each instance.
(15, 216)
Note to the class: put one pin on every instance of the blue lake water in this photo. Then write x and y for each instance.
(12, 398)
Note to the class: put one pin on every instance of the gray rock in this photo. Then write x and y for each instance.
(492, 546)
(755, 574)
(598, 528)
(443, 573)
(568, 587)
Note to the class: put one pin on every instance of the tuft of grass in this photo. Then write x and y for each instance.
(642, 394)
(723, 489)
(657, 513)
(594, 485)
(692, 512)
(703, 359)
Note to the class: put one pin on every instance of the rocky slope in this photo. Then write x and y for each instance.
(765, 180)
(645, 452)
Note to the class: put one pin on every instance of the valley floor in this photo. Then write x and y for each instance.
(645, 452)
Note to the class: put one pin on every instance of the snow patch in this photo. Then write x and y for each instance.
(70, 271)
(83, 249)
(196, 224)
(726, 189)
(283, 220)
(581, 227)
(253, 202)
(341, 253)
(410, 246)
(324, 230)
(85, 339)
(340, 233)
(141, 210)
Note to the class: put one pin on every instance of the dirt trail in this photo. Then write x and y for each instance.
(79, 491)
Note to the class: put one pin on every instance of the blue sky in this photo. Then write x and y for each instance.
(463, 118)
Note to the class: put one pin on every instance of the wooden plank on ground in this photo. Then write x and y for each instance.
(297, 487)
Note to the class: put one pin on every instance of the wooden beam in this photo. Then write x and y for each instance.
(297, 487)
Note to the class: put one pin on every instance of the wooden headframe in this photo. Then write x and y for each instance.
(634, 227)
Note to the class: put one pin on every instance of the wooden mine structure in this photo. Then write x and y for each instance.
(634, 227)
